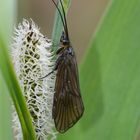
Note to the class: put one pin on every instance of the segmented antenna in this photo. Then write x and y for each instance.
(64, 21)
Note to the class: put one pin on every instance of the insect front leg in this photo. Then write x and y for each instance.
(54, 69)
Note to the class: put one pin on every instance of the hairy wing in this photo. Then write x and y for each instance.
(67, 105)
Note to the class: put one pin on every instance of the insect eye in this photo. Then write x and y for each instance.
(64, 39)
(65, 42)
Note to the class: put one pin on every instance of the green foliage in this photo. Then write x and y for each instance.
(5, 110)
(5, 116)
(8, 81)
(110, 78)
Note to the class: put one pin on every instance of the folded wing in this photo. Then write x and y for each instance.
(67, 105)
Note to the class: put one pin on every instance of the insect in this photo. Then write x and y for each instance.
(67, 102)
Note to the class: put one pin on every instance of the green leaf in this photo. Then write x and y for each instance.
(5, 112)
(110, 77)
(7, 15)
(6, 18)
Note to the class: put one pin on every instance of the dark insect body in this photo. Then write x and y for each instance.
(67, 103)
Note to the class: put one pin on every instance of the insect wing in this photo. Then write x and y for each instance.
(67, 105)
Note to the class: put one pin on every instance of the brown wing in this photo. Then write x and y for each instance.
(67, 105)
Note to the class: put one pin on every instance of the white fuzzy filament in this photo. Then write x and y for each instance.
(33, 59)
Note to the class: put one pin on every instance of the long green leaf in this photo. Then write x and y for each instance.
(6, 18)
(113, 86)
(7, 11)
(110, 77)
(5, 112)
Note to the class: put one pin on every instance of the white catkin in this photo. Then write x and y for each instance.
(32, 58)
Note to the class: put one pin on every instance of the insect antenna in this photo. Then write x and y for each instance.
(61, 16)
(64, 15)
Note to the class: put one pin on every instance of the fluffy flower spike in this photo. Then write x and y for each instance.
(33, 59)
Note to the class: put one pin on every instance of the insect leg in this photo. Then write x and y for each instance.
(46, 75)
(55, 68)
